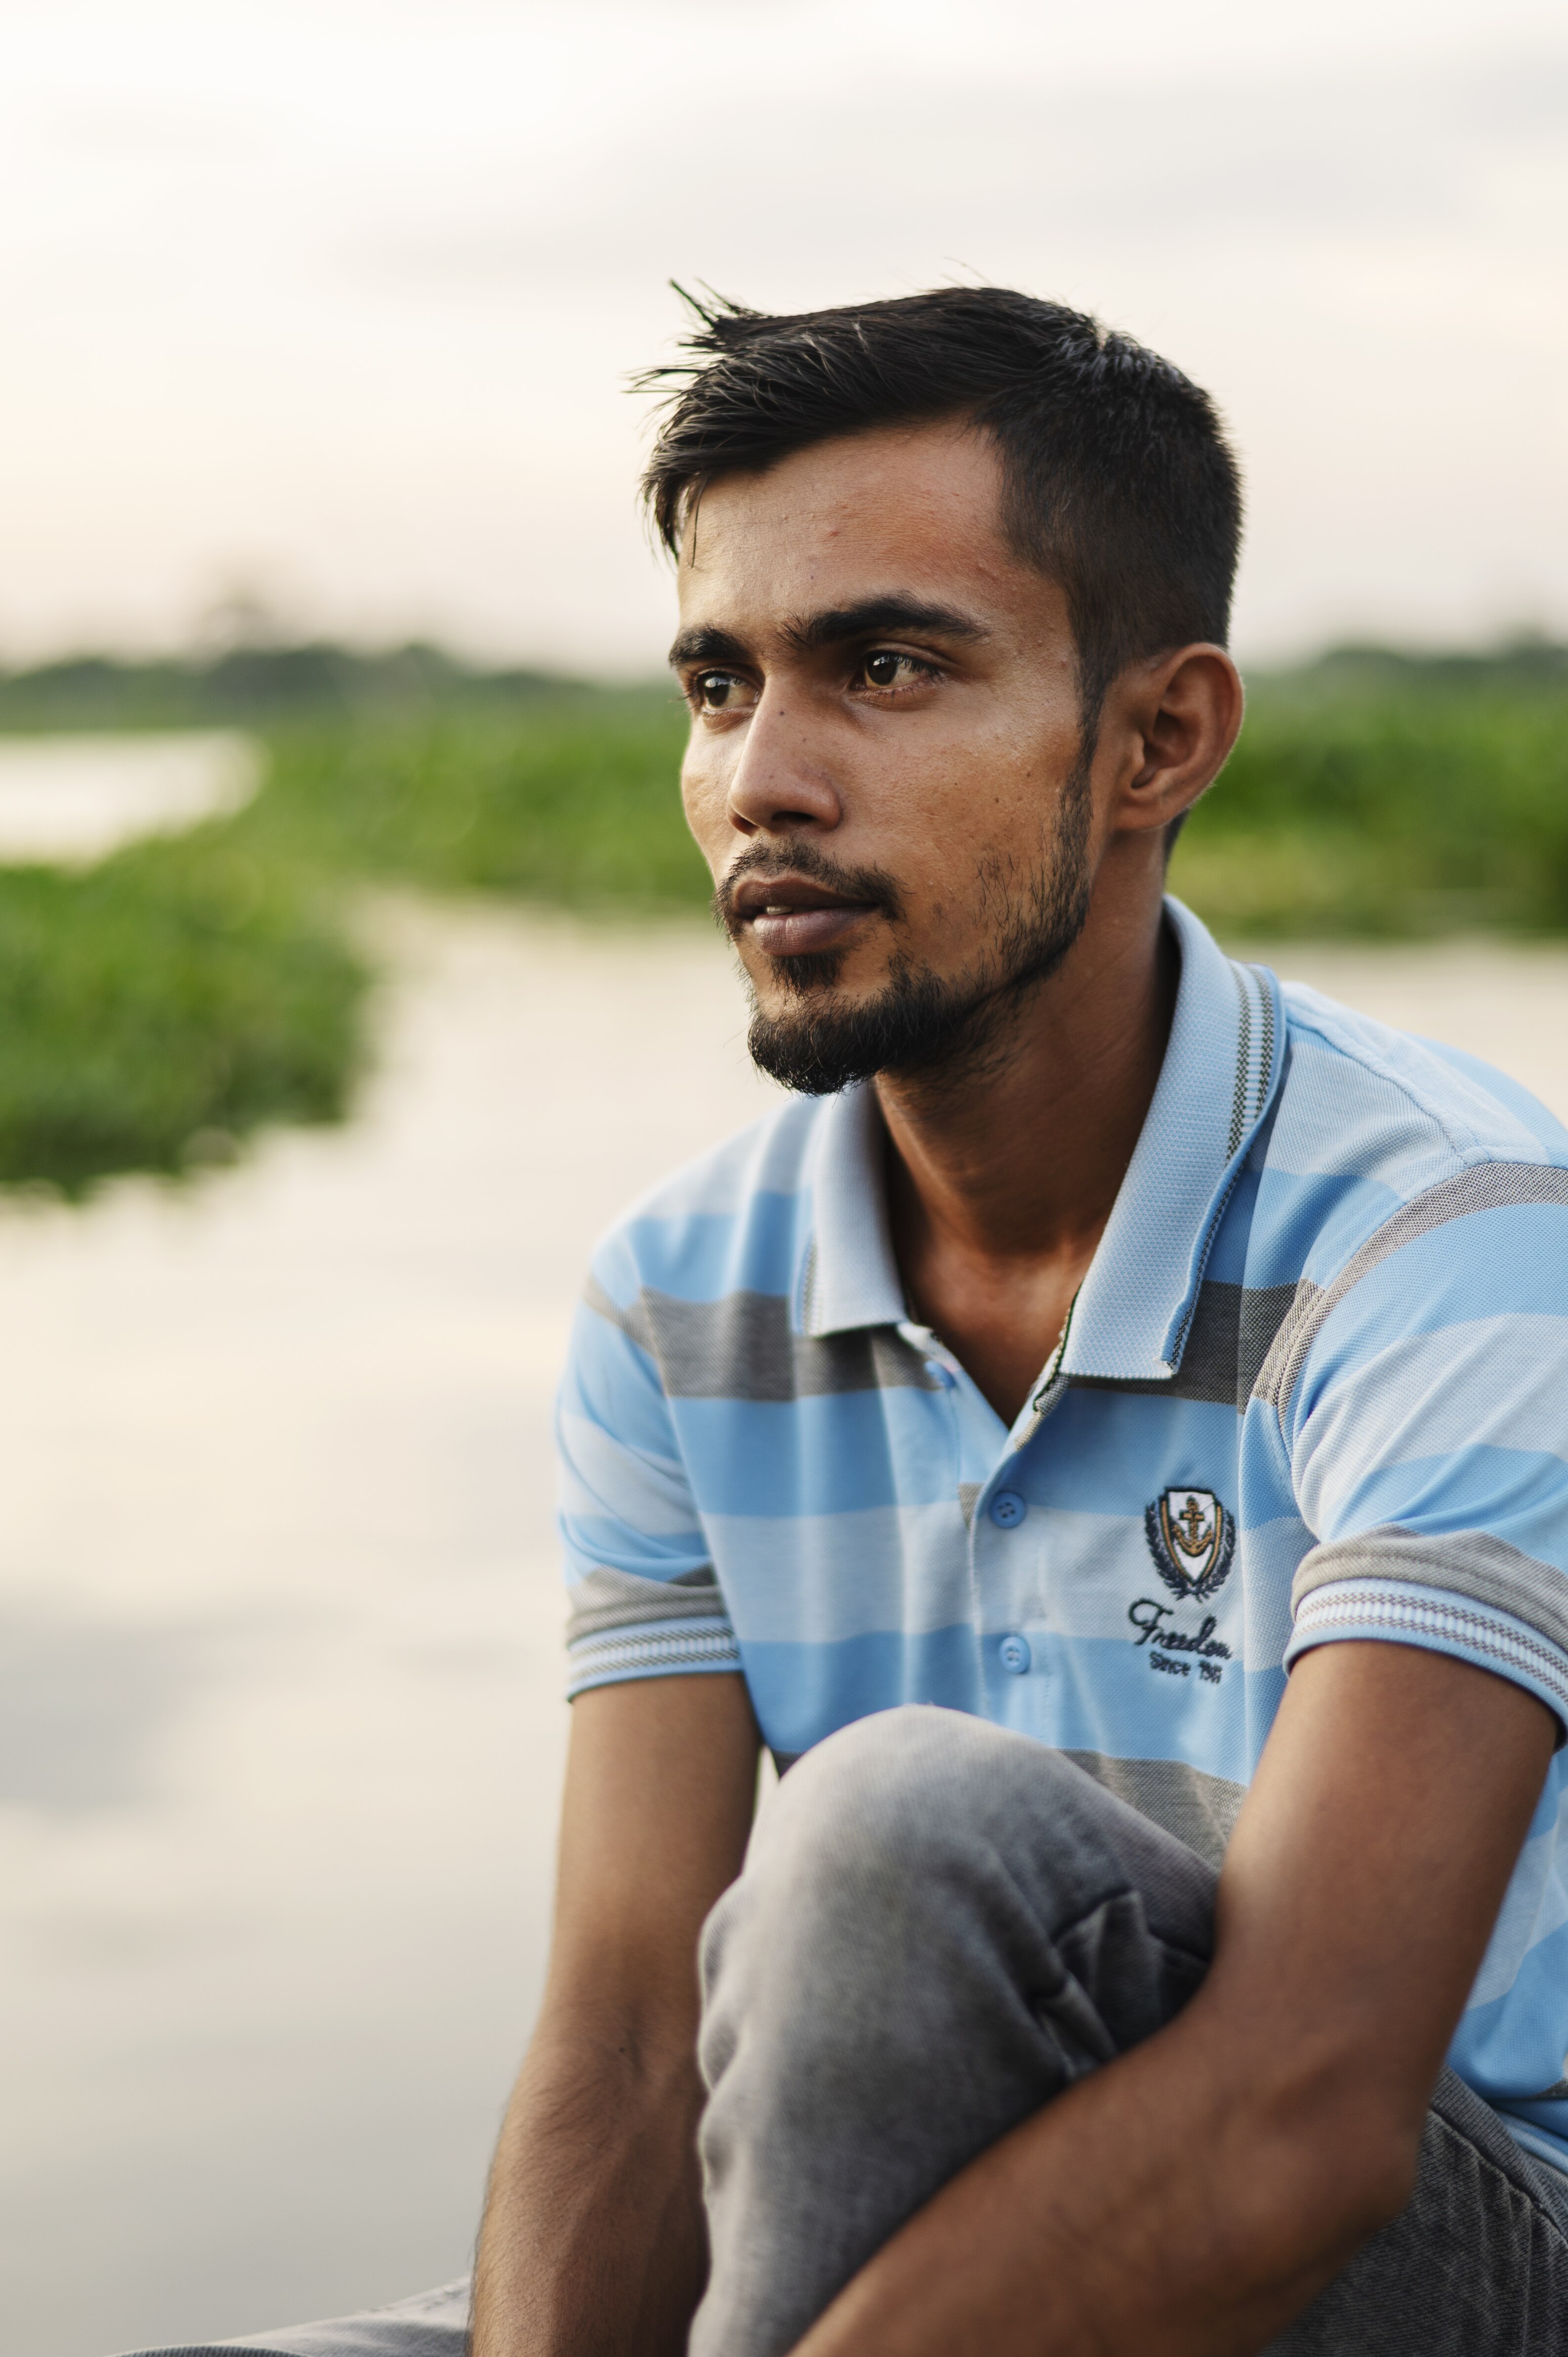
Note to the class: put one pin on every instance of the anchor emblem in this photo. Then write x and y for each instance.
(1192, 1540)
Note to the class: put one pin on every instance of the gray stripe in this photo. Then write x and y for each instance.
(1232, 1328)
(1552, 2094)
(1266, 1049)
(741, 1348)
(1471, 1564)
(1490, 1187)
(1199, 1809)
(1243, 1064)
(620, 1599)
(967, 1491)
(1252, 1094)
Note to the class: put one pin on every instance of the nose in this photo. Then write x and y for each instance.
(777, 787)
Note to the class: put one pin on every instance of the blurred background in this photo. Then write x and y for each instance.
(352, 961)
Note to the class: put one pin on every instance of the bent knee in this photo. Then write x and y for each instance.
(891, 1793)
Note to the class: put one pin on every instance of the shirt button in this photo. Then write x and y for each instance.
(1014, 1654)
(1008, 1509)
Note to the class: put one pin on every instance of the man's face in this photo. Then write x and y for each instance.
(884, 769)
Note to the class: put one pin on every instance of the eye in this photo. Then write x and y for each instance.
(885, 668)
(722, 690)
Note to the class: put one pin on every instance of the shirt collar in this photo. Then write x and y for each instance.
(852, 1277)
(1130, 1320)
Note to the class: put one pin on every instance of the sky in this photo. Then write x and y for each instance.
(328, 306)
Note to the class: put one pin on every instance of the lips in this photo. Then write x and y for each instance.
(789, 916)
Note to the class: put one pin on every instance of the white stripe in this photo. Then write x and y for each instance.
(686, 1645)
(1500, 1383)
(1426, 1617)
(602, 1478)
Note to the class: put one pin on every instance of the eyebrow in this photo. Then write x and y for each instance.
(875, 617)
(836, 626)
(705, 646)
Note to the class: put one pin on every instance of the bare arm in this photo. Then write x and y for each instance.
(593, 2240)
(1191, 2198)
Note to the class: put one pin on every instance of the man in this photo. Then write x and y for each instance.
(1095, 1296)
(1106, 1434)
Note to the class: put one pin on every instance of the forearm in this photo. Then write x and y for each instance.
(592, 2243)
(1174, 2204)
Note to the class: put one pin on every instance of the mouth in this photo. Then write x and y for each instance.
(790, 916)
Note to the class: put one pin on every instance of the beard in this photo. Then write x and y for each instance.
(921, 1022)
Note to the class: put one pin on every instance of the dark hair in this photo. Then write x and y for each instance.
(1118, 481)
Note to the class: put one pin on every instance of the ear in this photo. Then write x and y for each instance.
(1176, 718)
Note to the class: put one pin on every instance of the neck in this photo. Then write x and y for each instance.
(1002, 1176)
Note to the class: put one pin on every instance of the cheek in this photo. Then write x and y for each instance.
(970, 824)
(703, 797)
(959, 811)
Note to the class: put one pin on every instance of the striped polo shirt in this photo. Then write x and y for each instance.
(1315, 1387)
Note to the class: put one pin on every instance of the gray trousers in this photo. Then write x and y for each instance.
(940, 1926)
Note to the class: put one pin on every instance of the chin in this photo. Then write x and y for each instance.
(784, 983)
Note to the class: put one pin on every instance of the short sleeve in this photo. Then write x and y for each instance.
(1423, 1399)
(645, 1602)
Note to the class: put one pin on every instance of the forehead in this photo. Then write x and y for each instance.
(915, 508)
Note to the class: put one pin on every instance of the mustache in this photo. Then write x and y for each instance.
(873, 886)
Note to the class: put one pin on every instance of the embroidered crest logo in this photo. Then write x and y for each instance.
(1192, 1540)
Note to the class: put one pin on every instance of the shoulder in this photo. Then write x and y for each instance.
(1370, 1120)
(735, 1218)
(1423, 1195)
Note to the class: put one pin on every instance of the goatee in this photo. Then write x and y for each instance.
(921, 1022)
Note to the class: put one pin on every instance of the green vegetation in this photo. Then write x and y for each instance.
(162, 1005)
(1374, 794)
(185, 992)
(569, 798)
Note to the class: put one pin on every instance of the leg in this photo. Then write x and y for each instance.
(433, 2324)
(940, 1926)
(1477, 2266)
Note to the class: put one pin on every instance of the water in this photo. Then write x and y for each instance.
(280, 1728)
(72, 800)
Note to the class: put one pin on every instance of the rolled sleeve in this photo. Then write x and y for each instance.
(1428, 1438)
(645, 1602)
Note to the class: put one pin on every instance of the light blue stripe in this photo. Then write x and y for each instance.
(701, 1259)
(831, 1455)
(1514, 2046)
(1512, 1493)
(1500, 1382)
(1536, 1905)
(1114, 1451)
(1529, 1111)
(1491, 1262)
(802, 1693)
(611, 1383)
(848, 1575)
(1308, 1222)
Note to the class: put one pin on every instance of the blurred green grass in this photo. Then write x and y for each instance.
(158, 1008)
(1374, 795)
(185, 991)
(570, 798)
